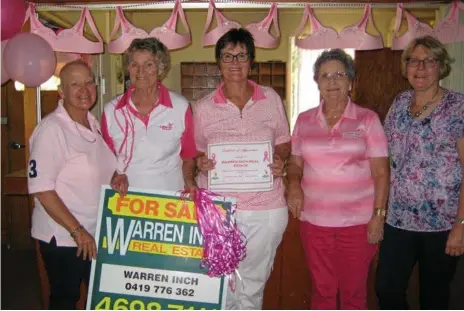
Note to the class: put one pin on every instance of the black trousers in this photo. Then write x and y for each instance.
(65, 273)
(399, 251)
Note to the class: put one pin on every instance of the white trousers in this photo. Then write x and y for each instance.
(263, 230)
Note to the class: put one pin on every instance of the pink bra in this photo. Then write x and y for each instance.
(447, 30)
(166, 33)
(70, 40)
(260, 31)
(351, 37)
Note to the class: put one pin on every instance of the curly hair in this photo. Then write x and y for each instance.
(335, 54)
(155, 47)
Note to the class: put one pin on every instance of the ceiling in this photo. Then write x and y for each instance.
(281, 1)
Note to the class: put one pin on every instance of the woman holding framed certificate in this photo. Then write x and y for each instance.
(338, 186)
(243, 133)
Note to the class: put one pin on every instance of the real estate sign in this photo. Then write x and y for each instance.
(149, 252)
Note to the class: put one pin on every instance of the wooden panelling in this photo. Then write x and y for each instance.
(295, 276)
(49, 101)
(4, 161)
(18, 213)
(378, 79)
(16, 158)
(272, 296)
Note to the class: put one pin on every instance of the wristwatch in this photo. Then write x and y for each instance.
(380, 212)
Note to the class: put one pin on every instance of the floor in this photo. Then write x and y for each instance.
(21, 283)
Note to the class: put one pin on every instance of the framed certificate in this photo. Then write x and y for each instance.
(241, 167)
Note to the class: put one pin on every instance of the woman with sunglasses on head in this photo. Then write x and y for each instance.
(425, 221)
(338, 186)
(241, 111)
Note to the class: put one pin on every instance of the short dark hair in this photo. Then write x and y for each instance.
(237, 36)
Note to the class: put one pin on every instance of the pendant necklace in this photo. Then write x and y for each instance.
(424, 108)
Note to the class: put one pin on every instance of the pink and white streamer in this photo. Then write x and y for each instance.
(224, 246)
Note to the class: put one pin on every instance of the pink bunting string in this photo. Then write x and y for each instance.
(224, 246)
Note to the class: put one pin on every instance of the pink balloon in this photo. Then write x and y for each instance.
(5, 76)
(13, 14)
(29, 59)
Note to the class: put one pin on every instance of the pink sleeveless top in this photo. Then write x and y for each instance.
(166, 33)
(70, 40)
(351, 37)
(448, 30)
(260, 31)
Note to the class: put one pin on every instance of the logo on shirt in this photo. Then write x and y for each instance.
(352, 135)
(166, 127)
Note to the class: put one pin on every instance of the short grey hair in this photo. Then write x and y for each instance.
(155, 47)
(335, 54)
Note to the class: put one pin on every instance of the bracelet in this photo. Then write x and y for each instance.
(75, 231)
(380, 212)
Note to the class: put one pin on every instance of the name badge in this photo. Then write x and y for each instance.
(352, 135)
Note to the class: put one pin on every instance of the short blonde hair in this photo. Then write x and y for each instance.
(155, 47)
(436, 48)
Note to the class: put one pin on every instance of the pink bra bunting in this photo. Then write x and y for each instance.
(350, 37)
(166, 33)
(260, 30)
(448, 30)
(70, 40)
(223, 25)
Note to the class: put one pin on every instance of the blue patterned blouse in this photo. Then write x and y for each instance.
(426, 173)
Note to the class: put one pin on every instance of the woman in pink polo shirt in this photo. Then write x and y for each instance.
(149, 127)
(338, 186)
(240, 111)
(69, 163)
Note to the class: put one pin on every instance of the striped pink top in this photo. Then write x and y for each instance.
(337, 181)
(217, 120)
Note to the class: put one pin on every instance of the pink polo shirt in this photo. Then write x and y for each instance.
(337, 181)
(75, 162)
(217, 120)
(152, 152)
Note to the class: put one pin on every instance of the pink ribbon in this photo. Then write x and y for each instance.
(266, 157)
(224, 246)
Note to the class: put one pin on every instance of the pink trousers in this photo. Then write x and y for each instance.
(338, 260)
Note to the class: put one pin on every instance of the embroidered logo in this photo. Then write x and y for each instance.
(352, 135)
(166, 127)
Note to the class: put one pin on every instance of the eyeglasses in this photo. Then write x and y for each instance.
(428, 62)
(339, 75)
(229, 58)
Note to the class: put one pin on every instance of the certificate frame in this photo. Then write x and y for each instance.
(241, 167)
